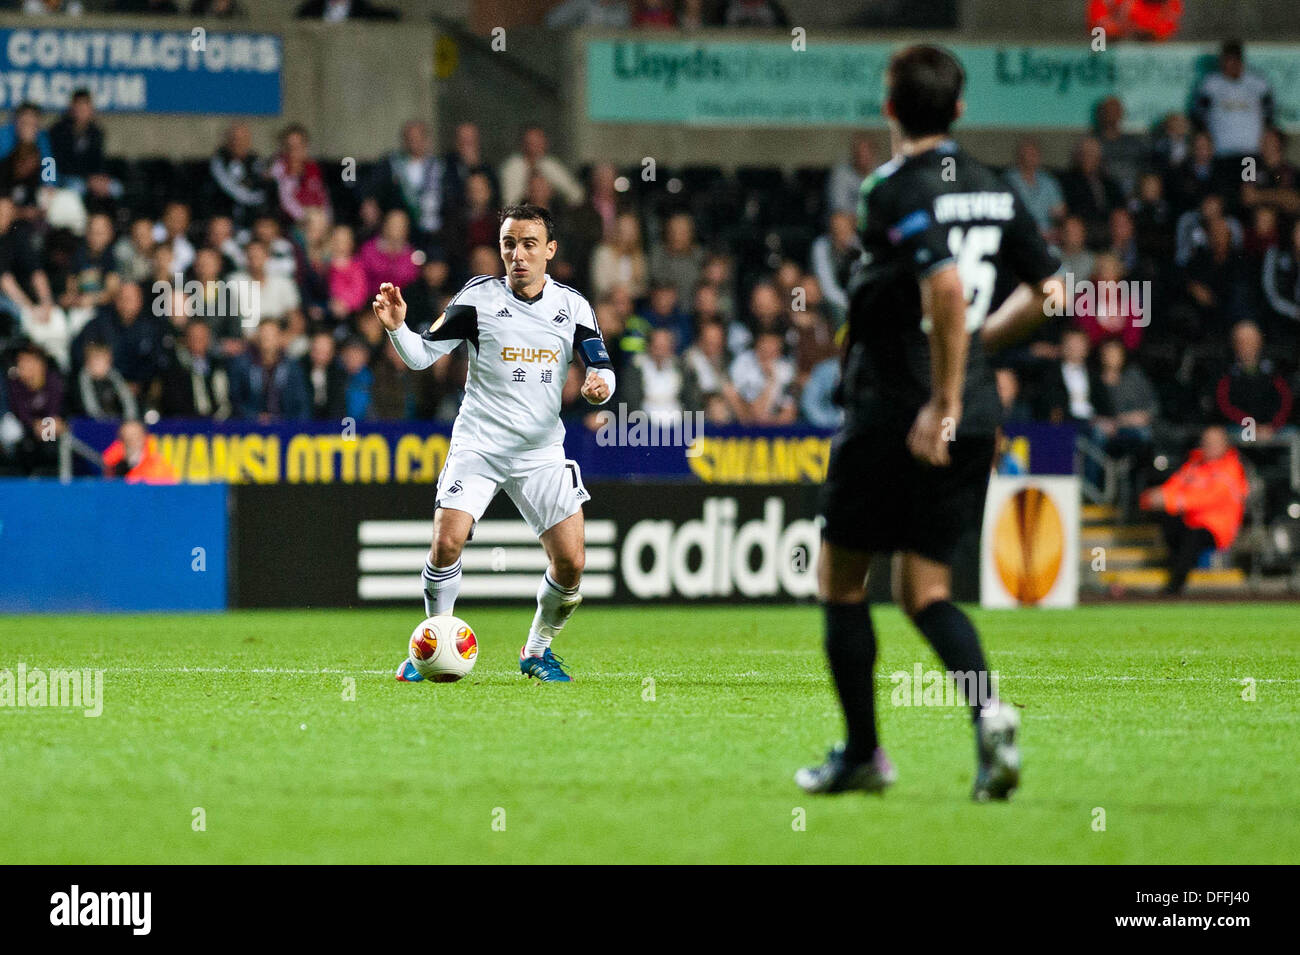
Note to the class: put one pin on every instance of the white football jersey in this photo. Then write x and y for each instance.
(519, 355)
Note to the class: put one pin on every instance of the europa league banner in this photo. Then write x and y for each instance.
(1029, 551)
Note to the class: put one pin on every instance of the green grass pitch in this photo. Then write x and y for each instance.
(1136, 710)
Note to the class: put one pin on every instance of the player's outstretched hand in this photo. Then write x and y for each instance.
(595, 389)
(389, 306)
(930, 434)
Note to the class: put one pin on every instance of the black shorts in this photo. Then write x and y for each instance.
(878, 498)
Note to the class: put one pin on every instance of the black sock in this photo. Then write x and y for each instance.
(954, 638)
(851, 650)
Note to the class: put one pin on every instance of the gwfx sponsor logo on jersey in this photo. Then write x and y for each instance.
(517, 355)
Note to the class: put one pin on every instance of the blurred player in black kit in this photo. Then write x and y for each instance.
(952, 267)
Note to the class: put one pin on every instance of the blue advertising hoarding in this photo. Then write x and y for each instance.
(143, 71)
(92, 546)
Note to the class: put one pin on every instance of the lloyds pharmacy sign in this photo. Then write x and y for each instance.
(767, 83)
(143, 71)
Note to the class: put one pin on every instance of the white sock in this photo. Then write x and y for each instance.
(441, 588)
(551, 614)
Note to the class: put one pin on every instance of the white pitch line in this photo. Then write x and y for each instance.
(885, 677)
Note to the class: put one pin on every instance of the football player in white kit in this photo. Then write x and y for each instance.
(522, 331)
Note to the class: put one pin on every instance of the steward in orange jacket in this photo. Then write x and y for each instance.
(134, 455)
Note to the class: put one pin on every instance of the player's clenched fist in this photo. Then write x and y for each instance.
(390, 307)
(595, 389)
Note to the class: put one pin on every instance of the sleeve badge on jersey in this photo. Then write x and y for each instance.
(909, 225)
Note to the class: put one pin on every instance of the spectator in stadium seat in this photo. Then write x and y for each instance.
(1216, 284)
(424, 296)
(663, 310)
(265, 384)
(173, 231)
(20, 180)
(336, 11)
(754, 13)
(485, 260)
(214, 303)
(653, 14)
(236, 185)
(415, 180)
(134, 333)
(1234, 105)
(615, 14)
(355, 357)
(619, 260)
(134, 251)
(153, 8)
(1038, 188)
(465, 159)
(613, 326)
(1196, 176)
(845, 181)
(24, 287)
(1122, 240)
(217, 9)
(678, 260)
(135, 457)
(392, 395)
(831, 255)
(1172, 143)
(811, 333)
(1202, 503)
(1131, 405)
(766, 314)
(655, 381)
(706, 364)
(1192, 231)
(348, 286)
(1015, 407)
(102, 393)
(691, 15)
(299, 183)
(705, 307)
(1280, 275)
(92, 280)
(390, 256)
(763, 377)
(25, 127)
(281, 254)
(602, 199)
(220, 235)
(1277, 182)
(77, 143)
(475, 222)
(1106, 309)
(1089, 192)
(277, 297)
(1070, 391)
(533, 157)
(311, 245)
(1123, 155)
(1153, 223)
(327, 382)
(35, 398)
(195, 383)
(1252, 390)
(719, 272)
(817, 400)
(1076, 260)
(53, 8)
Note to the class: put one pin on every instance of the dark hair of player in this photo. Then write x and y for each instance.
(526, 210)
(925, 82)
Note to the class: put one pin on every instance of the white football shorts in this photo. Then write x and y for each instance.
(545, 486)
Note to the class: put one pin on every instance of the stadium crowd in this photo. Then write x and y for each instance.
(125, 288)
